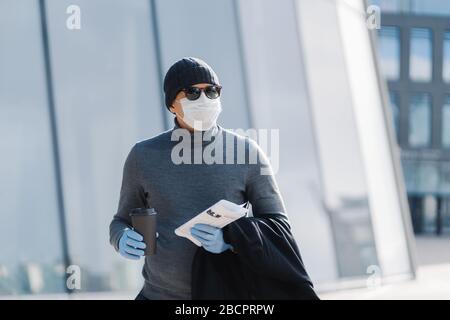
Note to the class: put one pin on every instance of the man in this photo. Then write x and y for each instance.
(179, 191)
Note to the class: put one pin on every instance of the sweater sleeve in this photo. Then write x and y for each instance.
(261, 187)
(131, 196)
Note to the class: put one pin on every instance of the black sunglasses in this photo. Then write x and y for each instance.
(193, 93)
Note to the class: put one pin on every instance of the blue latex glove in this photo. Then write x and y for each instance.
(130, 245)
(210, 237)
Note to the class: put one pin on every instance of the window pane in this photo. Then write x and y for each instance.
(211, 44)
(384, 194)
(31, 252)
(389, 49)
(395, 110)
(388, 5)
(446, 123)
(420, 67)
(107, 99)
(419, 121)
(430, 208)
(345, 199)
(434, 7)
(446, 57)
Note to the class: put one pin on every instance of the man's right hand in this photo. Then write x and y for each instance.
(130, 245)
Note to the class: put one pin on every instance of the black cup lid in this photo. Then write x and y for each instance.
(142, 212)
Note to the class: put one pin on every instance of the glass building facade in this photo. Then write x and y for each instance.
(73, 103)
(421, 108)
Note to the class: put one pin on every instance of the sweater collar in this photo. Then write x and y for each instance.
(207, 134)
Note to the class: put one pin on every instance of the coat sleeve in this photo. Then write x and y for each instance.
(131, 196)
(265, 241)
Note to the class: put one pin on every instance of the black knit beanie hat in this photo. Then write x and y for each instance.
(184, 73)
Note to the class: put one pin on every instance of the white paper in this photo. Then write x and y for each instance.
(218, 215)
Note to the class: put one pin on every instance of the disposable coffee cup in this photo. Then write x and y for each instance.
(144, 222)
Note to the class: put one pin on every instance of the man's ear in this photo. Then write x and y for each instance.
(172, 109)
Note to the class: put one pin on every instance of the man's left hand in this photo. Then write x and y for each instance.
(210, 237)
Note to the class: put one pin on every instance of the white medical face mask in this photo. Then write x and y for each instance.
(201, 114)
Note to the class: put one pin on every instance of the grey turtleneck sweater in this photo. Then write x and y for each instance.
(178, 192)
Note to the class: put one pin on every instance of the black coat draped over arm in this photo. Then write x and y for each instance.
(265, 262)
